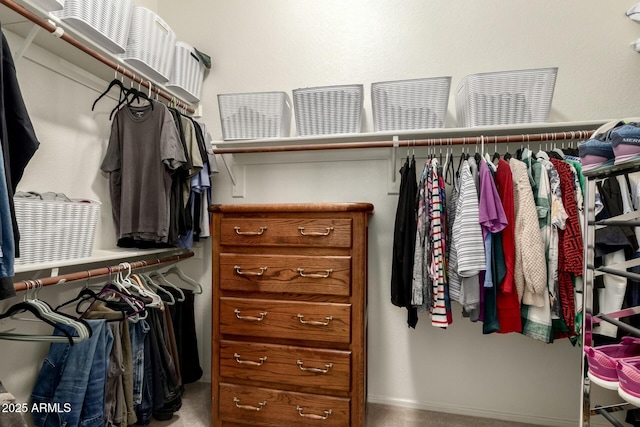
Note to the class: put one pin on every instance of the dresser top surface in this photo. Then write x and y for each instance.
(294, 207)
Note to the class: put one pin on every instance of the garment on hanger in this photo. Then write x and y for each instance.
(144, 149)
(536, 321)
(467, 234)
(404, 242)
(19, 144)
(570, 259)
(73, 378)
(530, 273)
(493, 221)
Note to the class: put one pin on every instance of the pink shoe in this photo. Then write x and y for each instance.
(602, 361)
(629, 375)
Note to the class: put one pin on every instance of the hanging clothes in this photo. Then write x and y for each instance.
(144, 149)
(536, 321)
(404, 242)
(493, 221)
(530, 272)
(421, 281)
(74, 376)
(558, 222)
(469, 244)
(570, 259)
(19, 144)
(440, 317)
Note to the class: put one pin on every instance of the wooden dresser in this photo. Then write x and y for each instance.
(289, 314)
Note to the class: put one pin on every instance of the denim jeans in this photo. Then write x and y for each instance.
(70, 385)
(137, 332)
(144, 410)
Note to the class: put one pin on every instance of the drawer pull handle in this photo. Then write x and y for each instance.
(249, 407)
(249, 233)
(249, 362)
(315, 275)
(313, 416)
(250, 318)
(241, 272)
(328, 319)
(328, 366)
(315, 233)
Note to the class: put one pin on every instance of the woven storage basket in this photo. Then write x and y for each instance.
(410, 104)
(187, 73)
(106, 22)
(328, 110)
(505, 97)
(150, 45)
(254, 115)
(55, 230)
(49, 5)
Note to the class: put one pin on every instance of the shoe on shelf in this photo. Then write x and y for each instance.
(596, 154)
(629, 379)
(625, 140)
(603, 361)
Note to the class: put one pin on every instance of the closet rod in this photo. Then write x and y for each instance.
(89, 274)
(430, 142)
(50, 27)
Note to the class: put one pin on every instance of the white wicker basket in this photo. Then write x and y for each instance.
(254, 115)
(49, 5)
(55, 230)
(106, 22)
(410, 104)
(150, 45)
(187, 73)
(328, 110)
(506, 97)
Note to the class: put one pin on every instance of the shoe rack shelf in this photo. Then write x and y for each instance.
(590, 319)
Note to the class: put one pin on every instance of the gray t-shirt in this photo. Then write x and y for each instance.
(144, 148)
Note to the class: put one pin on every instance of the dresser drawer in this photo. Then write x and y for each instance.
(276, 408)
(335, 233)
(325, 275)
(289, 365)
(313, 321)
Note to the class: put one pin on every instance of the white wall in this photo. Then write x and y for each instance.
(260, 45)
(264, 45)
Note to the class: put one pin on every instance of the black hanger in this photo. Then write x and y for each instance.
(35, 310)
(449, 174)
(130, 96)
(83, 296)
(114, 82)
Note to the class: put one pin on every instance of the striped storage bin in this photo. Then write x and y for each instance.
(187, 73)
(106, 22)
(150, 45)
(505, 97)
(328, 110)
(410, 104)
(254, 115)
(52, 230)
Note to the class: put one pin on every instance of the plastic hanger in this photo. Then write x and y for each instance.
(167, 283)
(28, 305)
(131, 95)
(176, 270)
(156, 287)
(114, 82)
